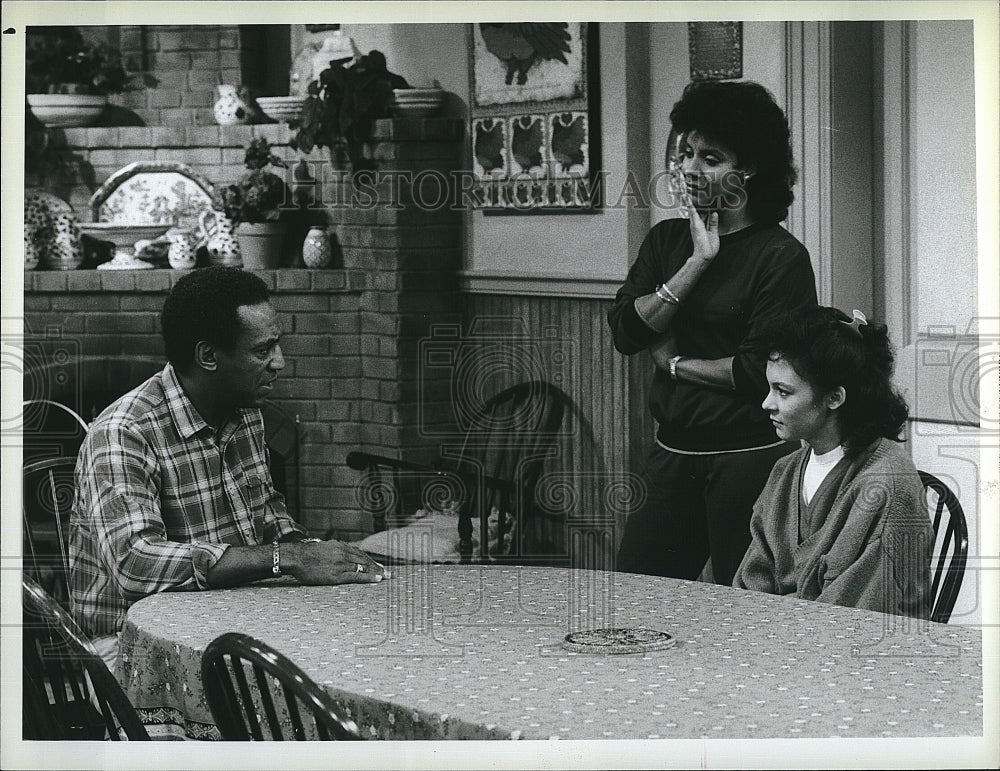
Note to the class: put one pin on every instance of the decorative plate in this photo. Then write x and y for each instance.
(154, 193)
(617, 640)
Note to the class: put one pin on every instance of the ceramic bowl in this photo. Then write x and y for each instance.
(418, 93)
(124, 237)
(281, 108)
(67, 110)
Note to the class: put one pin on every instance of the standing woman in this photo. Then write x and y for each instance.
(843, 520)
(696, 297)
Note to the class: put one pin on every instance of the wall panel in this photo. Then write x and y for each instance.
(595, 455)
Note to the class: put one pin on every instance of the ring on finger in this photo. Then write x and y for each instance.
(361, 568)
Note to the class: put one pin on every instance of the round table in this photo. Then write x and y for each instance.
(474, 652)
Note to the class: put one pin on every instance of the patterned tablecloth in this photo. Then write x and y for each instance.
(467, 652)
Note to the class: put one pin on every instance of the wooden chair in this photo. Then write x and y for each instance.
(951, 538)
(46, 504)
(490, 476)
(68, 693)
(245, 679)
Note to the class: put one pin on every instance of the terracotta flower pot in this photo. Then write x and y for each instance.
(261, 244)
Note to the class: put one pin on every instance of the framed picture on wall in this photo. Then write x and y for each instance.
(715, 49)
(535, 117)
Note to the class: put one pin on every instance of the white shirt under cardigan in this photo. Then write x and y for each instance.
(863, 541)
(817, 468)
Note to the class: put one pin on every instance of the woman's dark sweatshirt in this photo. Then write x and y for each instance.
(759, 271)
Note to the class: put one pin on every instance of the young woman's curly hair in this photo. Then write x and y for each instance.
(827, 350)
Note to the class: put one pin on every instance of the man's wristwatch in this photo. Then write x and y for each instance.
(276, 555)
(673, 367)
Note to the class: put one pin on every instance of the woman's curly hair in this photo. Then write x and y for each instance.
(744, 118)
(827, 351)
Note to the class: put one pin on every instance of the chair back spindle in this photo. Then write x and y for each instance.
(69, 693)
(46, 506)
(951, 547)
(245, 679)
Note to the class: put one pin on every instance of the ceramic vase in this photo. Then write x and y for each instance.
(316, 251)
(218, 236)
(67, 250)
(37, 231)
(32, 253)
(231, 108)
(182, 252)
(54, 230)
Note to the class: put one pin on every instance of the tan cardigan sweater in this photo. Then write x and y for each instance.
(866, 540)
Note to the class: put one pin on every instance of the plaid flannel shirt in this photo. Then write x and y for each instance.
(160, 495)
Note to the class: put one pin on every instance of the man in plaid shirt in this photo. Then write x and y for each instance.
(173, 489)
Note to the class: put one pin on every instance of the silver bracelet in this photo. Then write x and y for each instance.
(276, 559)
(667, 295)
(673, 367)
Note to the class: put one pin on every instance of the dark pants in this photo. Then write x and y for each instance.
(696, 506)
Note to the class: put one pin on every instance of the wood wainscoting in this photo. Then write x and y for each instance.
(592, 483)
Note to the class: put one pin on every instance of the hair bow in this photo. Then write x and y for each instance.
(857, 322)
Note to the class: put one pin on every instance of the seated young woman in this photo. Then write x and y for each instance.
(844, 519)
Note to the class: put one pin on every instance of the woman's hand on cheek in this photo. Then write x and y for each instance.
(704, 234)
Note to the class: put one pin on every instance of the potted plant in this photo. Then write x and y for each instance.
(256, 204)
(67, 80)
(343, 105)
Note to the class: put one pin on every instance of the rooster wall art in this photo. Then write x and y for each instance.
(520, 46)
(535, 116)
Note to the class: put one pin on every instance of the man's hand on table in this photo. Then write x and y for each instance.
(330, 562)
